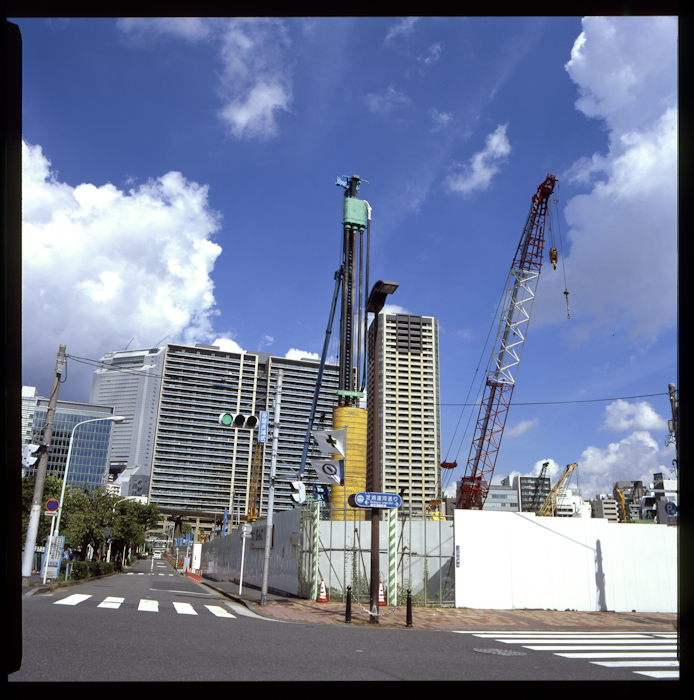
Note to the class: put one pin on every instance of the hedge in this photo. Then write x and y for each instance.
(87, 569)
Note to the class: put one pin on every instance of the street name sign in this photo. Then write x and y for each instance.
(263, 426)
(366, 499)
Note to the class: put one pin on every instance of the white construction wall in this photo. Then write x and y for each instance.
(221, 558)
(506, 561)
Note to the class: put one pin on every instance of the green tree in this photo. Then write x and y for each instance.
(86, 515)
(131, 521)
(51, 489)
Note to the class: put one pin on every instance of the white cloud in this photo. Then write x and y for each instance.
(635, 458)
(440, 119)
(228, 345)
(256, 76)
(142, 29)
(384, 103)
(255, 79)
(621, 416)
(402, 27)
(553, 473)
(294, 354)
(101, 265)
(522, 427)
(621, 267)
(394, 309)
(483, 165)
(433, 54)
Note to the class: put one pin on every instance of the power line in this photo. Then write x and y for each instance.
(549, 403)
(137, 372)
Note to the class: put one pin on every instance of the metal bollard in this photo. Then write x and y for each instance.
(348, 611)
(409, 608)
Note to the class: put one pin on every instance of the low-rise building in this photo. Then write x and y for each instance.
(604, 507)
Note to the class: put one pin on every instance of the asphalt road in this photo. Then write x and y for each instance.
(151, 624)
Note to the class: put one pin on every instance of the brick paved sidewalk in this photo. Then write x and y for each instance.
(465, 619)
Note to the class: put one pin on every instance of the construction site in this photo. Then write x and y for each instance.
(369, 498)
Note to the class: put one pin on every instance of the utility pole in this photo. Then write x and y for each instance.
(271, 492)
(37, 503)
(674, 424)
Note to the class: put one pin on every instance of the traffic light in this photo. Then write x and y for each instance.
(238, 420)
(31, 455)
(299, 497)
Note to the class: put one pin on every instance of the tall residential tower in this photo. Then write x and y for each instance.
(199, 467)
(409, 417)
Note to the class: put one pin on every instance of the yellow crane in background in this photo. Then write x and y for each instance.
(556, 492)
(253, 510)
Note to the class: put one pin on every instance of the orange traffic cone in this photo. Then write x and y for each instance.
(381, 599)
(322, 598)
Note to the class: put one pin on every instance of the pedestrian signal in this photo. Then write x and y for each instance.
(31, 455)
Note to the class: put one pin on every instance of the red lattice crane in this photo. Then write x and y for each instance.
(501, 377)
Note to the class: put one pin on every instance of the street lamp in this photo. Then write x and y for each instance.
(376, 302)
(115, 419)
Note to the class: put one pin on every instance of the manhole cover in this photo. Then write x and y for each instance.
(501, 652)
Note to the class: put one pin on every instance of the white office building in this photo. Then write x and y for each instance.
(130, 381)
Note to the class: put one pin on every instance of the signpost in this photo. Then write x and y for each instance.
(245, 531)
(53, 553)
(52, 557)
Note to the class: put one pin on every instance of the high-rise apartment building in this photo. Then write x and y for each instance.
(130, 381)
(90, 443)
(200, 467)
(409, 416)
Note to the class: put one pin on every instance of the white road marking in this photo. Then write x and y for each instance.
(148, 605)
(184, 609)
(628, 650)
(73, 599)
(659, 674)
(111, 602)
(596, 647)
(219, 611)
(634, 663)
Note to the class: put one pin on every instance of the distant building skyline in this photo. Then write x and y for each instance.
(89, 463)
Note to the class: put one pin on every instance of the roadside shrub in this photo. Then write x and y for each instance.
(86, 569)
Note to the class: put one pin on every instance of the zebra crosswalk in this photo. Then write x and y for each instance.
(149, 605)
(146, 573)
(652, 654)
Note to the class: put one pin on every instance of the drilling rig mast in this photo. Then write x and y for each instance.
(520, 294)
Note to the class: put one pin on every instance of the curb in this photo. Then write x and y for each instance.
(41, 588)
(252, 607)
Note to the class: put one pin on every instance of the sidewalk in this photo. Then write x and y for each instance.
(292, 609)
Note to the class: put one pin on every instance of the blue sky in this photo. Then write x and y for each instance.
(179, 184)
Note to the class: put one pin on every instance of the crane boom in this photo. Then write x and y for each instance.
(549, 507)
(501, 377)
